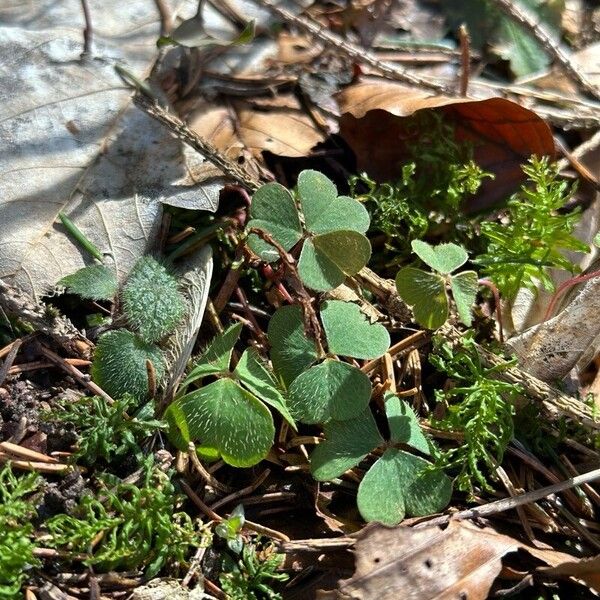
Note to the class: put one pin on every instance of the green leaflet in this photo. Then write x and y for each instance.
(426, 293)
(443, 258)
(95, 282)
(464, 291)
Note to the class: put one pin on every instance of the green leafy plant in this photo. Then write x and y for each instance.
(229, 416)
(251, 576)
(331, 389)
(129, 527)
(331, 231)
(399, 483)
(478, 406)
(191, 34)
(426, 292)
(152, 306)
(522, 250)
(230, 529)
(16, 531)
(104, 429)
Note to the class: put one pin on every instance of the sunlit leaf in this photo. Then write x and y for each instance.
(403, 423)
(273, 210)
(331, 390)
(119, 365)
(216, 358)
(426, 293)
(225, 417)
(346, 444)
(95, 282)
(255, 376)
(464, 291)
(292, 351)
(349, 333)
(443, 258)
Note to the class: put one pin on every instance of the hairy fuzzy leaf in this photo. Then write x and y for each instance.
(346, 444)
(426, 293)
(217, 357)
(350, 334)
(95, 282)
(443, 258)
(119, 365)
(398, 484)
(226, 418)
(273, 210)
(152, 302)
(404, 425)
(255, 376)
(291, 350)
(331, 390)
(464, 291)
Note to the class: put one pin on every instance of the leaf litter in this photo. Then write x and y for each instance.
(246, 359)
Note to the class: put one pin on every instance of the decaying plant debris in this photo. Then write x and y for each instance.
(298, 299)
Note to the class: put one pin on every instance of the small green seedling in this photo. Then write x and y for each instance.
(228, 416)
(229, 529)
(95, 282)
(104, 430)
(331, 389)
(332, 233)
(16, 530)
(192, 34)
(426, 292)
(399, 483)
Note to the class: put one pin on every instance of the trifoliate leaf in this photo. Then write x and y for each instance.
(426, 293)
(464, 291)
(255, 376)
(443, 258)
(151, 300)
(324, 211)
(349, 333)
(217, 357)
(95, 282)
(327, 259)
(292, 351)
(346, 444)
(273, 210)
(404, 425)
(224, 417)
(119, 365)
(331, 390)
(398, 484)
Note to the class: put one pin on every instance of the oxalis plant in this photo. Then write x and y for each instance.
(327, 229)
(426, 291)
(151, 306)
(400, 482)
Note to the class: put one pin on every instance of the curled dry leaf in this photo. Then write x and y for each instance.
(461, 561)
(375, 123)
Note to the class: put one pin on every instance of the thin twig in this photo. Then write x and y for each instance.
(166, 19)
(243, 492)
(356, 53)
(524, 17)
(217, 485)
(26, 453)
(505, 504)
(88, 31)
(465, 60)
(10, 359)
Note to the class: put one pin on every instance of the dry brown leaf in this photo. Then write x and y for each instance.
(504, 134)
(586, 570)
(461, 561)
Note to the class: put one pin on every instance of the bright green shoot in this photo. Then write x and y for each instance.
(426, 292)
(331, 229)
(397, 484)
(228, 417)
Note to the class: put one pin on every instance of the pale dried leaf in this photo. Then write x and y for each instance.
(78, 146)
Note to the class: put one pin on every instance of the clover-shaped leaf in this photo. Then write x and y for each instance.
(273, 210)
(399, 482)
(292, 351)
(334, 247)
(350, 334)
(443, 258)
(426, 292)
(226, 420)
(95, 282)
(330, 390)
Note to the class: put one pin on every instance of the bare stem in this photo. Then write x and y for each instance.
(465, 59)
(88, 32)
